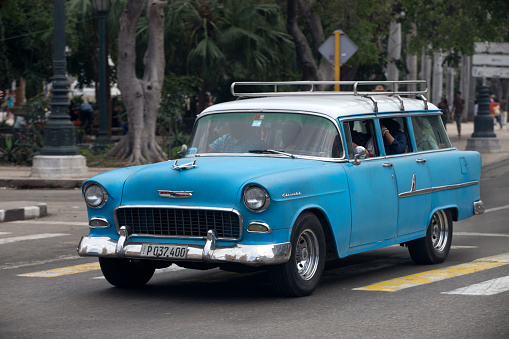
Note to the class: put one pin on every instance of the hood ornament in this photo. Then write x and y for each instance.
(189, 165)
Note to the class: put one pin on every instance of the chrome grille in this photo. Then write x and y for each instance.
(176, 222)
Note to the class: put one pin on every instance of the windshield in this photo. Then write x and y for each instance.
(296, 134)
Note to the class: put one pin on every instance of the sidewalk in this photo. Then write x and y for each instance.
(18, 177)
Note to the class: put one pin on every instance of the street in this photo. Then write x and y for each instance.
(48, 291)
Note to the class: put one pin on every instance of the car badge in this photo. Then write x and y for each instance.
(179, 168)
(175, 194)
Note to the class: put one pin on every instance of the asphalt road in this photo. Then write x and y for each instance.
(47, 291)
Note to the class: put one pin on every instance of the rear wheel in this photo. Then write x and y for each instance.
(126, 272)
(434, 247)
(301, 274)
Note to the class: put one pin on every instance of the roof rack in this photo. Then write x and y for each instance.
(392, 89)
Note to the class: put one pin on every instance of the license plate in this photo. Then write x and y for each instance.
(164, 251)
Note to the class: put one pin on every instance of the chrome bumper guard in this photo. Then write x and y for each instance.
(479, 207)
(252, 255)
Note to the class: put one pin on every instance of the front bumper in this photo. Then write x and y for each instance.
(252, 255)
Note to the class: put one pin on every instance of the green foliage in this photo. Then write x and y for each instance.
(454, 24)
(36, 108)
(14, 151)
(23, 46)
(100, 159)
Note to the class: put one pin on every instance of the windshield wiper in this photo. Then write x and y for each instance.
(271, 151)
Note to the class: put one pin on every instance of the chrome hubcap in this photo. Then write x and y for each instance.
(439, 231)
(307, 254)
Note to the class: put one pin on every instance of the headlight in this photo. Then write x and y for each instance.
(95, 195)
(256, 198)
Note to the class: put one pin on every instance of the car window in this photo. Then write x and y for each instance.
(394, 132)
(361, 133)
(429, 133)
(298, 134)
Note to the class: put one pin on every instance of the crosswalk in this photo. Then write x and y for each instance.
(483, 288)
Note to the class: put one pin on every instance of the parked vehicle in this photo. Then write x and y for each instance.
(284, 180)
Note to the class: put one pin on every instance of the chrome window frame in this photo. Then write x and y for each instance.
(343, 157)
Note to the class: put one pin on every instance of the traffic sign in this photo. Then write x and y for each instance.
(492, 47)
(347, 48)
(490, 72)
(490, 59)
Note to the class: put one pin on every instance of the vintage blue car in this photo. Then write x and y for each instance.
(284, 180)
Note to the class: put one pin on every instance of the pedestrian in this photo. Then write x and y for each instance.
(503, 108)
(457, 110)
(495, 111)
(86, 116)
(444, 107)
(10, 101)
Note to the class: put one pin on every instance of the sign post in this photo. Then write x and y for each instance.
(337, 49)
(337, 66)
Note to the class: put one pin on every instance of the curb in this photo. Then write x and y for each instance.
(23, 213)
(42, 183)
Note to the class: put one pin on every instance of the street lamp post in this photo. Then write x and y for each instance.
(59, 132)
(102, 7)
(60, 157)
(483, 139)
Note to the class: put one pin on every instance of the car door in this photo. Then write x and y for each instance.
(373, 195)
(414, 197)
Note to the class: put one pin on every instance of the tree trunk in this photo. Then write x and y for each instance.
(465, 84)
(438, 78)
(394, 51)
(141, 96)
(304, 53)
(411, 60)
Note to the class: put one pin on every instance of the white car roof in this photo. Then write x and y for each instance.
(335, 106)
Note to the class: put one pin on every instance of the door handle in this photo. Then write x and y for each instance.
(387, 164)
(421, 161)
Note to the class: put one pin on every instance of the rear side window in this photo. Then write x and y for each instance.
(430, 133)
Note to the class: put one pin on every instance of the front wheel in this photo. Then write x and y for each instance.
(434, 247)
(300, 275)
(126, 272)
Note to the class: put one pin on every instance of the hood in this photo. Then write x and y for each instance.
(214, 182)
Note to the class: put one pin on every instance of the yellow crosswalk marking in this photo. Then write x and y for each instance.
(57, 272)
(427, 277)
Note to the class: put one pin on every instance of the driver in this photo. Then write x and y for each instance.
(239, 139)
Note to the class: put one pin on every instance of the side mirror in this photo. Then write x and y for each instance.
(359, 153)
(183, 150)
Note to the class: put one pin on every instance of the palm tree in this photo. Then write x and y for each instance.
(230, 39)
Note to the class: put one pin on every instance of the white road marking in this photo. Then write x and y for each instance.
(496, 209)
(4, 233)
(20, 264)
(428, 277)
(490, 287)
(473, 234)
(31, 237)
(43, 222)
(459, 247)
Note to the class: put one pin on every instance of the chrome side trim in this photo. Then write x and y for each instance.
(251, 255)
(413, 191)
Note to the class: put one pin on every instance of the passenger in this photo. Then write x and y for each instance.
(364, 140)
(240, 139)
(395, 141)
(422, 132)
(289, 135)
